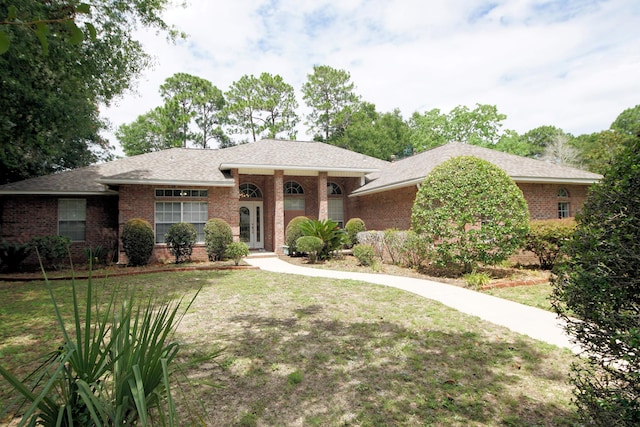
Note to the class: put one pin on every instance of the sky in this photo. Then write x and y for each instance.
(574, 64)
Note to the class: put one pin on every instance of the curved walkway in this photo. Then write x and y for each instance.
(534, 322)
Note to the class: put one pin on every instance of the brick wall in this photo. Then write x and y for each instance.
(392, 209)
(25, 217)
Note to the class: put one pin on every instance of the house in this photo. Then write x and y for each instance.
(257, 188)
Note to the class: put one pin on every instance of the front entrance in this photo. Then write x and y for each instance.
(251, 224)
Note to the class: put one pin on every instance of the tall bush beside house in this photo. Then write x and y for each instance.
(596, 291)
(52, 249)
(180, 239)
(138, 241)
(217, 236)
(293, 233)
(546, 237)
(353, 227)
(472, 211)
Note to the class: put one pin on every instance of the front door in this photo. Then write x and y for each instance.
(251, 224)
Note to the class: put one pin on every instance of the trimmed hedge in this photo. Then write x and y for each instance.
(138, 241)
(353, 227)
(180, 239)
(217, 236)
(293, 233)
(546, 237)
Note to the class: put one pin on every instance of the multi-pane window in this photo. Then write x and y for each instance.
(169, 213)
(336, 204)
(563, 209)
(563, 203)
(72, 219)
(250, 191)
(180, 192)
(293, 200)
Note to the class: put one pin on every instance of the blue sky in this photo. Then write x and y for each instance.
(574, 64)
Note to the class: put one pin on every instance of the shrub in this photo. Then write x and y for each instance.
(138, 241)
(375, 239)
(12, 254)
(312, 245)
(53, 249)
(353, 227)
(180, 239)
(596, 291)
(332, 236)
(293, 232)
(217, 236)
(393, 241)
(476, 280)
(365, 254)
(546, 237)
(472, 211)
(236, 251)
(415, 250)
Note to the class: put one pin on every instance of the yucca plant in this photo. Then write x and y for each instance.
(111, 370)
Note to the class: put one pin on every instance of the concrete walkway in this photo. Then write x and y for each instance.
(534, 322)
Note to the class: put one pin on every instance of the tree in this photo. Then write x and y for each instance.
(541, 137)
(472, 211)
(596, 291)
(50, 120)
(330, 95)
(628, 122)
(262, 107)
(374, 134)
(560, 151)
(152, 131)
(480, 126)
(193, 100)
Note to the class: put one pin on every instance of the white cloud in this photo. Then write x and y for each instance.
(572, 64)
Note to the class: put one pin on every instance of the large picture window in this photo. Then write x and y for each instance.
(72, 219)
(169, 213)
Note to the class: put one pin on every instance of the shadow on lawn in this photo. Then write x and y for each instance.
(380, 373)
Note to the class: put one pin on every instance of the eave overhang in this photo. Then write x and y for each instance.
(109, 181)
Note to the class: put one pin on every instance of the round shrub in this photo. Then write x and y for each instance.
(353, 227)
(293, 233)
(365, 254)
(546, 238)
(312, 245)
(138, 241)
(472, 211)
(180, 239)
(217, 236)
(236, 251)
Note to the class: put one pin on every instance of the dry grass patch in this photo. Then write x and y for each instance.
(309, 351)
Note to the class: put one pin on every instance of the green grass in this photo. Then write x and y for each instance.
(311, 351)
(534, 295)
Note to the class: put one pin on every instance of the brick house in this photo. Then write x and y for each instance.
(257, 188)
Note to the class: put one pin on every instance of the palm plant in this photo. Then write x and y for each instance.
(112, 368)
(332, 236)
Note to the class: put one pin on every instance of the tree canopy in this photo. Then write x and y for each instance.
(44, 130)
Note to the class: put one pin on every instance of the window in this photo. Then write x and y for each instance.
(168, 213)
(563, 204)
(563, 209)
(336, 211)
(293, 203)
(250, 191)
(180, 192)
(292, 187)
(72, 219)
(333, 189)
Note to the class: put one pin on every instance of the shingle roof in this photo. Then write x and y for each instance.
(183, 166)
(413, 170)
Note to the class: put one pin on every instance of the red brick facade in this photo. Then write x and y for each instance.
(24, 217)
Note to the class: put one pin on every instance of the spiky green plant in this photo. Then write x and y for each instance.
(332, 236)
(112, 368)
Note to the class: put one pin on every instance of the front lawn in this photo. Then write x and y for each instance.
(310, 351)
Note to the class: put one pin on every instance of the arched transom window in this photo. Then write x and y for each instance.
(292, 187)
(333, 189)
(250, 191)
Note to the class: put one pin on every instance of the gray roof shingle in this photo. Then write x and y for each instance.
(412, 170)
